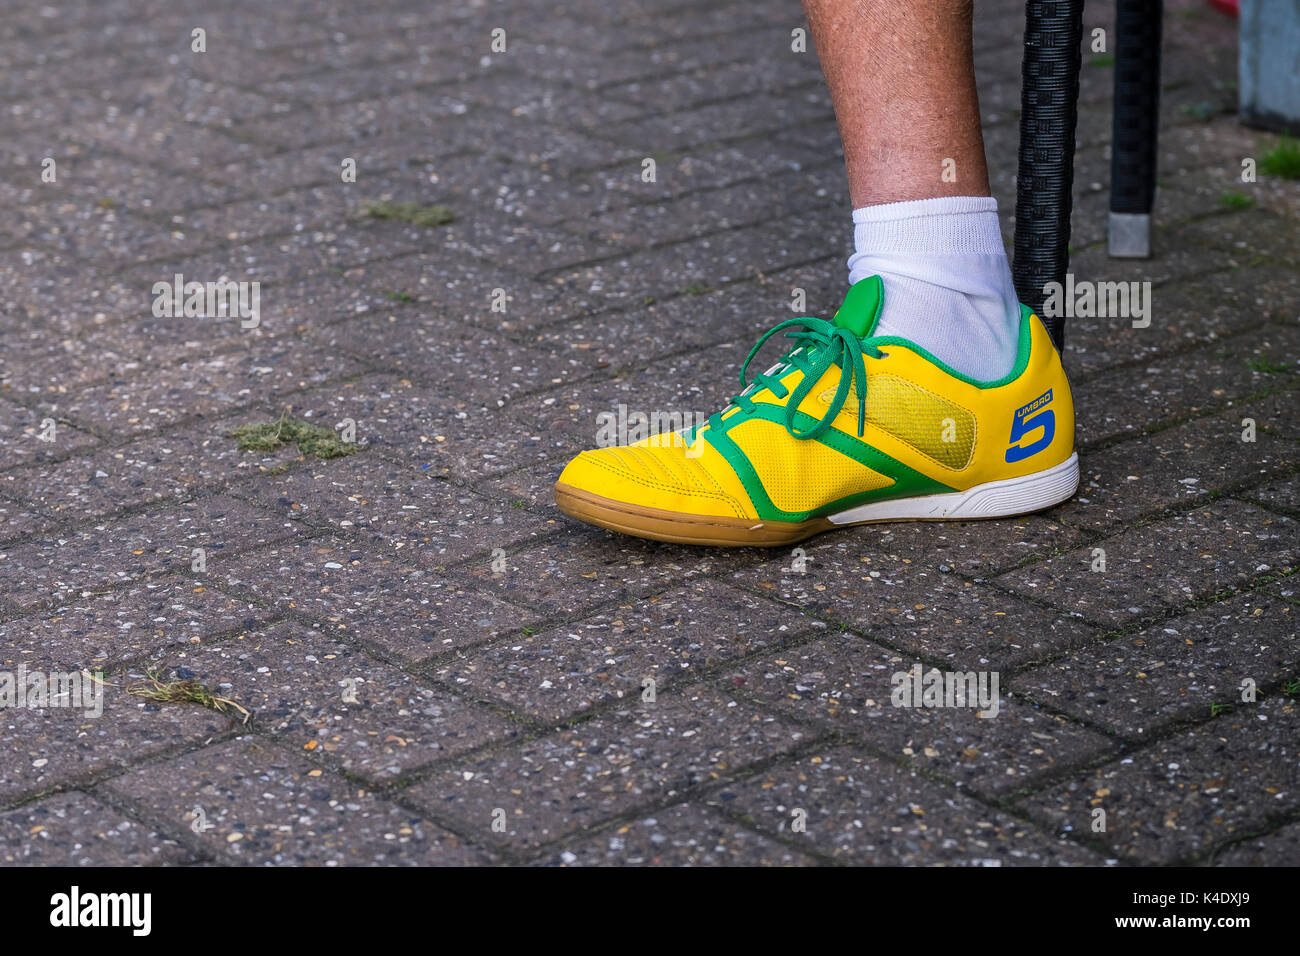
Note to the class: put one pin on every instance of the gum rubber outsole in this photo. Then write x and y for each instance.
(995, 499)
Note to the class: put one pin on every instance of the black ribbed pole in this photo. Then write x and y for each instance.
(1137, 118)
(1049, 103)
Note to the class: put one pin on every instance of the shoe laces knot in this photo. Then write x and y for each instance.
(819, 345)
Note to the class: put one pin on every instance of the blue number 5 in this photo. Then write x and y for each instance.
(1021, 428)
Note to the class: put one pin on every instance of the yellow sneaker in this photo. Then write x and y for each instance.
(848, 428)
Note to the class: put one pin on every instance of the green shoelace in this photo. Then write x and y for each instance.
(821, 344)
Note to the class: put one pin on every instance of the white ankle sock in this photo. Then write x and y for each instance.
(947, 281)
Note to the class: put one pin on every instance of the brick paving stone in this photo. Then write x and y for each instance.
(96, 177)
(1283, 495)
(667, 395)
(1163, 566)
(862, 810)
(73, 829)
(558, 673)
(755, 114)
(688, 322)
(49, 297)
(518, 95)
(70, 39)
(444, 436)
(353, 44)
(355, 120)
(372, 80)
(744, 204)
(558, 148)
(1278, 848)
(701, 263)
(65, 116)
(1218, 144)
(98, 232)
(107, 480)
(1249, 236)
(685, 835)
(322, 165)
(269, 807)
(975, 548)
(1182, 795)
(206, 387)
(157, 137)
(645, 28)
(294, 210)
(397, 507)
(524, 248)
(161, 541)
(580, 568)
(319, 693)
(409, 613)
(43, 362)
(556, 59)
(17, 521)
(528, 487)
(1180, 260)
(1183, 314)
(49, 747)
(454, 288)
(143, 343)
(55, 290)
(102, 629)
(695, 88)
(1175, 670)
(332, 203)
(306, 304)
(288, 258)
(622, 35)
(909, 603)
(708, 166)
(848, 684)
(205, 102)
(457, 361)
(1129, 400)
(1183, 465)
(30, 435)
(558, 785)
(520, 190)
(1272, 416)
(81, 74)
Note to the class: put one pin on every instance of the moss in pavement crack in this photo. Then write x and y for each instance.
(412, 212)
(310, 439)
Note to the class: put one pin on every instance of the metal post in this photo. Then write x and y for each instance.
(1137, 120)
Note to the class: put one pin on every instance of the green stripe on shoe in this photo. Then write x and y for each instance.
(908, 483)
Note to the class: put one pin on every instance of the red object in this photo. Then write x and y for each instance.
(1230, 7)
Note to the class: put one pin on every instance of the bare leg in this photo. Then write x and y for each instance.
(902, 79)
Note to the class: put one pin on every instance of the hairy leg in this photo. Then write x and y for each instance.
(902, 79)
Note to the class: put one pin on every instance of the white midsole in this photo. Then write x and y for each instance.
(993, 499)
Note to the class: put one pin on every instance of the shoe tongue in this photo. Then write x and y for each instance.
(861, 308)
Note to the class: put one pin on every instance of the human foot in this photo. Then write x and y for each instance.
(848, 428)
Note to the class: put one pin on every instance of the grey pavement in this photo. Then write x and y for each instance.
(436, 666)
